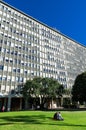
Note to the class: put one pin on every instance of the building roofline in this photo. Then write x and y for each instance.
(41, 22)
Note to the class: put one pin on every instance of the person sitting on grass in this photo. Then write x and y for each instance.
(55, 116)
(58, 116)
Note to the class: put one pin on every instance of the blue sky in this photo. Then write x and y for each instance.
(67, 16)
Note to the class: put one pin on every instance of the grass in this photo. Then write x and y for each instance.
(42, 120)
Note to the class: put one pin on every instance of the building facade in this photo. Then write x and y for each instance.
(30, 48)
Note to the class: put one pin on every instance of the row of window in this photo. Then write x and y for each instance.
(51, 36)
(19, 62)
(17, 79)
(48, 64)
(50, 71)
(27, 64)
(25, 35)
(18, 70)
(50, 48)
(17, 53)
(25, 49)
(61, 79)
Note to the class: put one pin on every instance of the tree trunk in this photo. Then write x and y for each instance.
(26, 104)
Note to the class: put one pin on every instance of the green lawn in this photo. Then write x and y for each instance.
(42, 120)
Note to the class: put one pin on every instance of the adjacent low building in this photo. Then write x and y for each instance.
(30, 48)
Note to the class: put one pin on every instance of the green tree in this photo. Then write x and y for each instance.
(29, 90)
(49, 89)
(60, 90)
(43, 88)
(44, 91)
(79, 88)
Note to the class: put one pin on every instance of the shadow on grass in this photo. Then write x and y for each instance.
(62, 123)
(38, 119)
(35, 119)
(6, 123)
(73, 125)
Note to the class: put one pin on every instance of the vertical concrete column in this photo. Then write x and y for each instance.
(20, 103)
(5, 100)
(9, 103)
(61, 101)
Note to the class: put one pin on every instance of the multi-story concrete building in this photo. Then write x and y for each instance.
(30, 48)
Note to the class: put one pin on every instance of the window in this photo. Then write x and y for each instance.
(1, 41)
(16, 52)
(3, 50)
(0, 48)
(15, 61)
(12, 44)
(0, 78)
(18, 70)
(13, 78)
(1, 67)
(8, 51)
(25, 71)
(19, 61)
(14, 69)
(8, 43)
(4, 78)
(5, 42)
(5, 68)
(9, 69)
(17, 79)
(21, 79)
(7, 60)
(11, 61)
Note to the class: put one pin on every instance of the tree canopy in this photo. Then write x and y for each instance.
(79, 88)
(44, 88)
